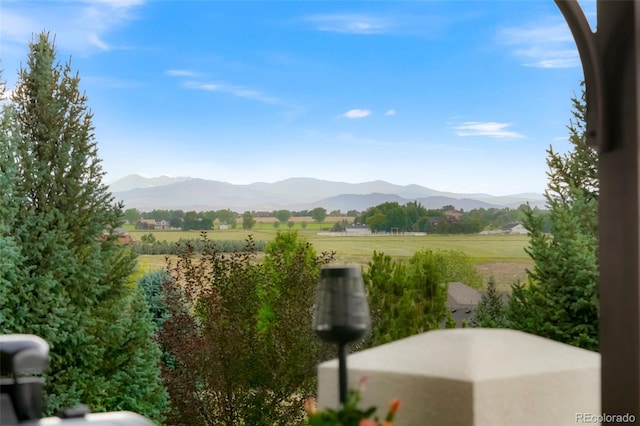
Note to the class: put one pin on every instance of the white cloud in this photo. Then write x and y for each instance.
(390, 112)
(542, 46)
(350, 23)
(488, 128)
(181, 73)
(118, 3)
(82, 27)
(356, 113)
(234, 90)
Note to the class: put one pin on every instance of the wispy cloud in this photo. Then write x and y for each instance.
(181, 73)
(83, 27)
(542, 46)
(488, 128)
(117, 3)
(356, 113)
(390, 112)
(350, 23)
(240, 91)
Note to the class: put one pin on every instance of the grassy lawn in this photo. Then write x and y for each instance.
(502, 256)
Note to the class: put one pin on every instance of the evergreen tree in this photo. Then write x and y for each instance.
(10, 259)
(73, 288)
(560, 300)
(491, 311)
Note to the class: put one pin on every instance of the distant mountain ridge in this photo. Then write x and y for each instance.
(130, 182)
(185, 193)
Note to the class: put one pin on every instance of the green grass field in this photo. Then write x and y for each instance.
(502, 256)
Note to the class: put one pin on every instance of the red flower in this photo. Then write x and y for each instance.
(310, 406)
(395, 404)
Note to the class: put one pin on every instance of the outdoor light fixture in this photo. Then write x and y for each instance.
(341, 313)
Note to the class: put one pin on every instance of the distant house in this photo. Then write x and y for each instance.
(452, 215)
(462, 301)
(223, 227)
(358, 229)
(162, 224)
(514, 228)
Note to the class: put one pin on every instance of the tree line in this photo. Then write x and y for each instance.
(414, 217)
(204, 220)
(149, 245)
(385, 217)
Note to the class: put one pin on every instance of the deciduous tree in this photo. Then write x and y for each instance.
(239, 339)
(408, 298)
(247, 220)
(282, 215)
(319, 214)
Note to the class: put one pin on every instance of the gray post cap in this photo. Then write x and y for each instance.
(23, 353)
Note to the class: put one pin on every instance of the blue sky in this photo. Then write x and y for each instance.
(461, 96)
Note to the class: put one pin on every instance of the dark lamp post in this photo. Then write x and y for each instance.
(341, 313)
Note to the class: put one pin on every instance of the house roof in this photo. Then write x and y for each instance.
(460, 294)
(511, 225)
(357, 226)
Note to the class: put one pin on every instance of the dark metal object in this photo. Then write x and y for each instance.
(341, 313)
(611, 61)
(23, 360)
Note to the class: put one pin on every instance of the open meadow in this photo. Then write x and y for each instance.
(502, 256)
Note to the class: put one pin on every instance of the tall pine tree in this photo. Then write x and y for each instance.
(560, 300)
(10, 255)
(73, 285)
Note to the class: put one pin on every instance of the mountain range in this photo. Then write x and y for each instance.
(185, 193)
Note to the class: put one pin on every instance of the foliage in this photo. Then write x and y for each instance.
(560, 300)
(414, 217)
(247, 220)
(64, 275)
(408, 298)
(282, 215)
(148, 239)
(340, 226)
(226, 217)
(241, 349)
(195, 221)
(491, 311)
(319, 214)
(349, 414)
(132, 215)
(11, 272)
(149, 245)
(151, 286)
